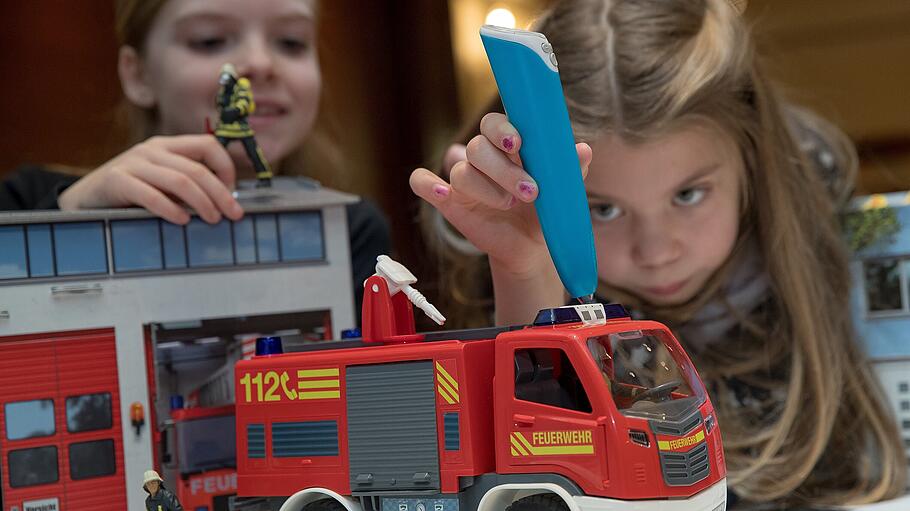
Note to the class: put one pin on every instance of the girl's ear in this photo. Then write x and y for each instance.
(132, 78)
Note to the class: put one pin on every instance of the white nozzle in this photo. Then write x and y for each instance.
(423, 304)
(400, 278)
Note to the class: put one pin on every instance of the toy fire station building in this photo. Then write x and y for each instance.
(881, 299)
(83, 298)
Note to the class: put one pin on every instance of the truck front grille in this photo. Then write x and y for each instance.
(685, 468)
(677, 428)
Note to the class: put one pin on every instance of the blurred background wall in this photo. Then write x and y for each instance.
(403, 75)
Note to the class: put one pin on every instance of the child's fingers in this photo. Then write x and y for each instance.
(431, 188)
(204, 149)
(136, 191)
(454, 154)
(503, 135)
(210, 184)
(498, 167)
(585, 156)
(179, 185)
(471, 183)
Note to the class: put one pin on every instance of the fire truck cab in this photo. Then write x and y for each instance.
(585, 409)
(198, 456)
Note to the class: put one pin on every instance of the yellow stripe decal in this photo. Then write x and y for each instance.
(564, 449)
(325, 394)
(313, 373)
(514, 452)
(520, 443)
(444, 395)
(524, 442)
(445, 374)
(448, 388)
(668, 445)
(516, 446)
(318, 384)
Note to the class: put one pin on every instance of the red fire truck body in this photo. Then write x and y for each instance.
(606, 414)
(201, 458)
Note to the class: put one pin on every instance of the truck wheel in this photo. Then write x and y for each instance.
(325, 505)
(539, 502)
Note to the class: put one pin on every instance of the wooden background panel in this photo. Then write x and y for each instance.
(59, 86)
(847, 60)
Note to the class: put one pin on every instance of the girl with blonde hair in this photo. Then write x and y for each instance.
(709, 216)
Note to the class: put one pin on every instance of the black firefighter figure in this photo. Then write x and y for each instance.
(235, 103)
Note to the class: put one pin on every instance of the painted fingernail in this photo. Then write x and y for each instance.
(508, 143)
(527, 190)
(441, 191)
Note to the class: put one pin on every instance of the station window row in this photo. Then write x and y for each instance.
(35, 418)
(39, 465)
(886, 282)
(80, 248)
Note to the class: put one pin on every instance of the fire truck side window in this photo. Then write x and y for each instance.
(546, 376)
(92, 459)
(29, 419)
(88, 412)
(31, 467)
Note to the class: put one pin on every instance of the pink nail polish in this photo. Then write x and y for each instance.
(441, 191)
(508, 144)
(527, 189)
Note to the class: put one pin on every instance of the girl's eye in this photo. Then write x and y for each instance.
(208, 44)
(293, 45)
(689, 196)
(604, 212)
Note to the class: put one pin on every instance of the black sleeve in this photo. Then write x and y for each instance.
(370, 237)
(172, 502)
(33, 187)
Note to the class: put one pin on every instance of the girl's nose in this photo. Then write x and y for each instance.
(655, 244)
(256, 60)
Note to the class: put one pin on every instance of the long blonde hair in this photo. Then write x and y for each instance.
(639, 68)
(319, 157)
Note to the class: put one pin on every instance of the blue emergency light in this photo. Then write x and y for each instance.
(268, 346)
(563, 315)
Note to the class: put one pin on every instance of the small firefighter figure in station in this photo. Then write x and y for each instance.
(235, 103)
(160, 498)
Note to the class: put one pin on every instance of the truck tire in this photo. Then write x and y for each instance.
(539, 502)
(325, 505)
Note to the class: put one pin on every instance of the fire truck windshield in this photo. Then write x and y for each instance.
(646, 375)
(206, 444)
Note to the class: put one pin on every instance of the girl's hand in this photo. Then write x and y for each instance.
(489, 198)
(159, 174)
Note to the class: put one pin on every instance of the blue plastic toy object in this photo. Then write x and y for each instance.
(268, 346)
(526, 73)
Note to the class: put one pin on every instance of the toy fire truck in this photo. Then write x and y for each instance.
(198, 457)
(585, 409)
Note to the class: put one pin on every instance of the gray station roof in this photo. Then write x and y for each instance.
(286, 194)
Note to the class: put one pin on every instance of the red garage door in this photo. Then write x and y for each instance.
(61, 439)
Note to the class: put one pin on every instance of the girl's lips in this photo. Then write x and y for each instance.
(261, 121)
